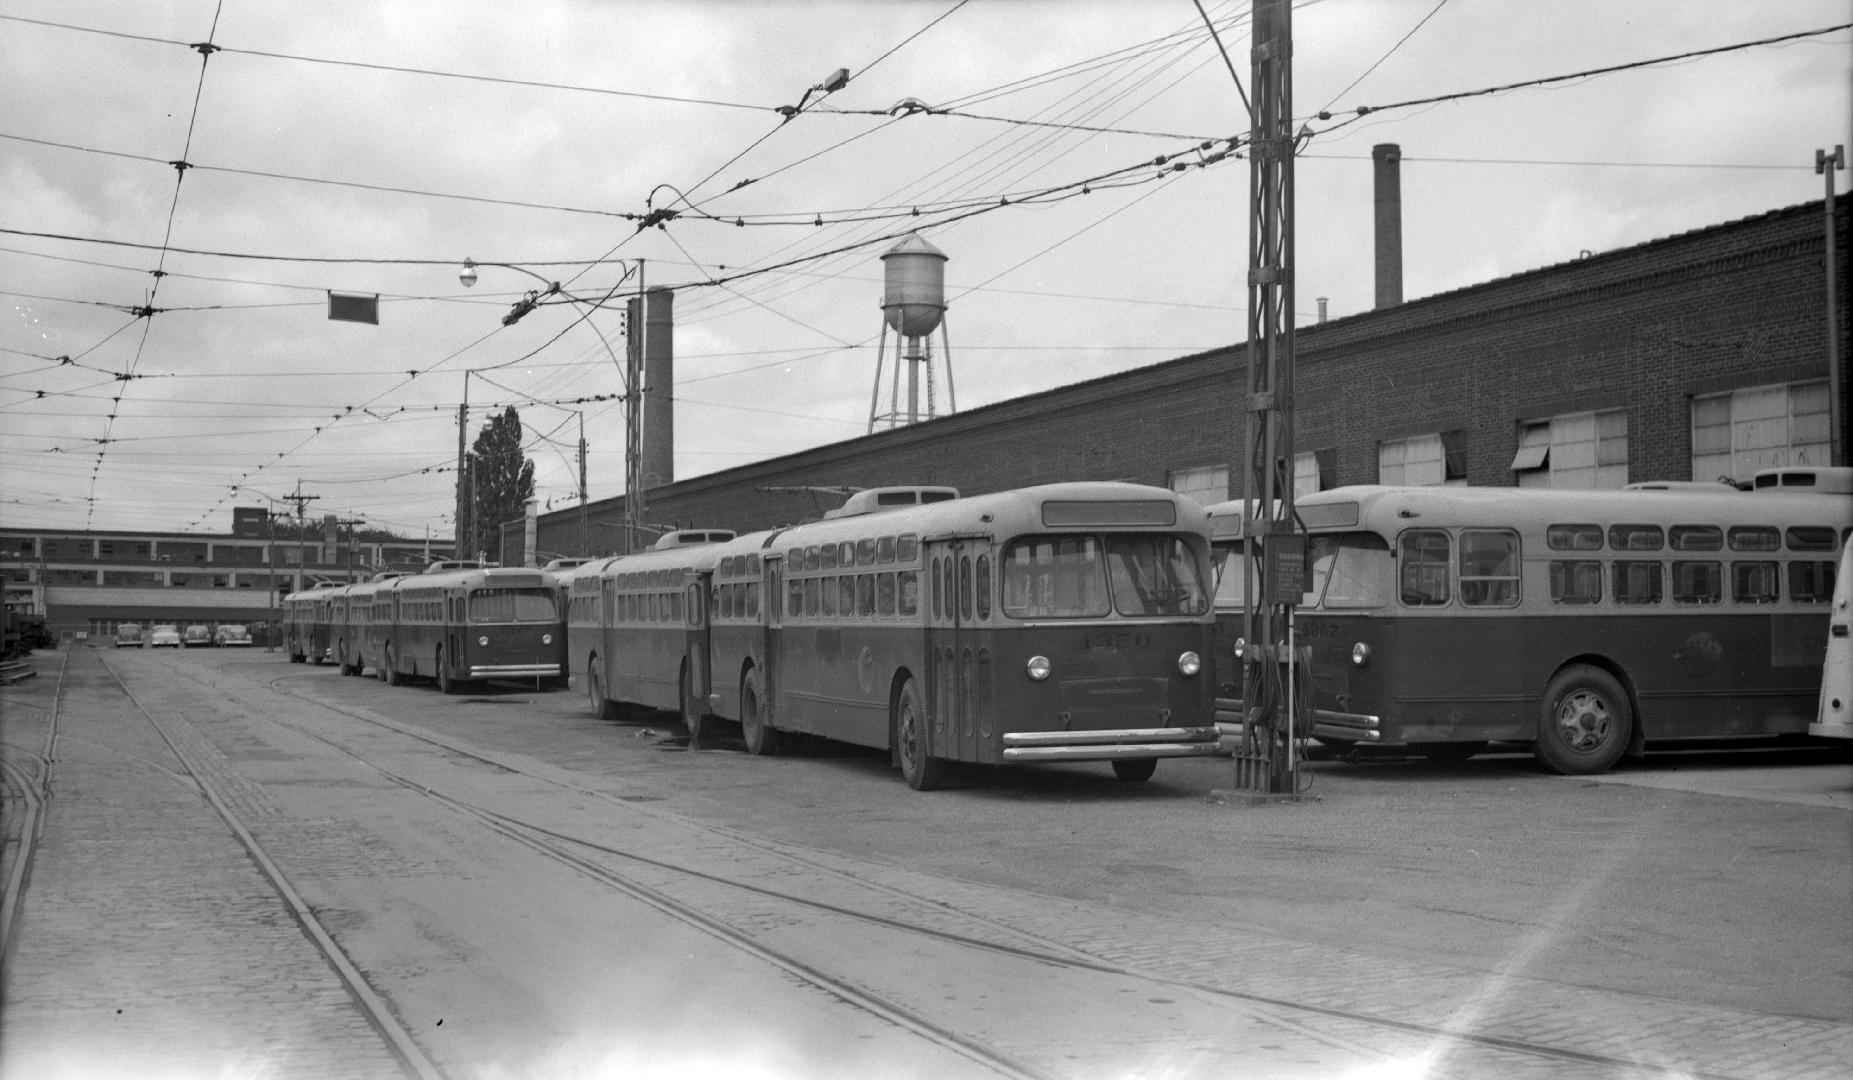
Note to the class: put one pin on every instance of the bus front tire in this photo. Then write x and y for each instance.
(761, 738)
(1585, 722)
(1135, 770)
(921, 770)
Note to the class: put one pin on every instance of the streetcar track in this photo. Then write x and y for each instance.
(399, 1041)
(546, 841)
(36, 791)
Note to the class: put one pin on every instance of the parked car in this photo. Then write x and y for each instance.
(197, 634)
(129, 635)
(232, 634)
(165, 634)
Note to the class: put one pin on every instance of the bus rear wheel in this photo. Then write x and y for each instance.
(761, 738)
(1585, 721)
(603, 708)
(921, 770)
(1135, 770)
(694, 718)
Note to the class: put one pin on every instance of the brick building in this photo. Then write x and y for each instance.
(90, 582)
(1690, 357)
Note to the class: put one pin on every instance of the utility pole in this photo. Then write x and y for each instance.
(1274, 673)
(463, 423)
(1825, 164)
(353, 542)
(302, 533)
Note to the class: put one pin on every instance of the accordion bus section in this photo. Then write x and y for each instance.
(460, 626)
(1586, 623)
(1068, 622)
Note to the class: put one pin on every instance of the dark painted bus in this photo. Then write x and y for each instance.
(459, 626)
(1584, 623)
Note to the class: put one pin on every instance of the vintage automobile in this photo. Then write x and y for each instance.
(232, 634)
(129, 636)
(167, 634)
(197, 634)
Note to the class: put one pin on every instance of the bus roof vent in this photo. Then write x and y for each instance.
(690, 537)
(457, 564)
(557, 565)
(887, 498)
(1823, 479)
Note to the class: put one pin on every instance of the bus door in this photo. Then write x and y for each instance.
(952, 729)
(772, 605)
(699, 635)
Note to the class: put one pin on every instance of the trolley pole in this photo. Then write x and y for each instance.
(1275, 676)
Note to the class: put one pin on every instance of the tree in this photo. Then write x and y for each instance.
(501, 480)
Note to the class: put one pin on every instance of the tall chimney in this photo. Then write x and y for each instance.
(659, 380)
(1386, 161)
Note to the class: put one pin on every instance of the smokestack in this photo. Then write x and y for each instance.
(659, 379)
(1386, 161)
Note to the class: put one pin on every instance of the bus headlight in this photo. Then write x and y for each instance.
(1038, 668)
(483, 641)
(1360, 654)
(546, 639)
(1189, 663)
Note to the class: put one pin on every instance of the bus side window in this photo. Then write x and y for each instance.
(983, 587)
(1637, 581)
(910, 593)
(1811, 581)
(1755, 582)
(1697, 582)
(1424, 567)
(1576, 581)
(965, 588)
(1489, 568)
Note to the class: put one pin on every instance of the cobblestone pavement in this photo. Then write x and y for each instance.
(149, 944)
(146, 917)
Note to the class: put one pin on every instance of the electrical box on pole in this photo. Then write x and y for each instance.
(1275, 674)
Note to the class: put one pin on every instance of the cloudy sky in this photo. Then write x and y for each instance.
(370, 148)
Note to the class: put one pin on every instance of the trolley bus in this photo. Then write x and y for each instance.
(1067, 622)
(305, 626)
(357, 636)
(459, 626)
(637, 626)
(1586, 623)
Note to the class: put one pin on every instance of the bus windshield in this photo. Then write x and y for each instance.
(1349, 570)
(1072, 577)
(512, 605)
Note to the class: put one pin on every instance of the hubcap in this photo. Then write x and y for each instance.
(1584, 721)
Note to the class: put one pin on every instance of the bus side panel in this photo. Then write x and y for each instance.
(1486, 676)
(646, 665)
(837, 679)
(732, 648)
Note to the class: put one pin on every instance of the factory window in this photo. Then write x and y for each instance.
(1207, 484)
(1315, 470)
(1423, 460)
(1585, 451)
(1735, 434)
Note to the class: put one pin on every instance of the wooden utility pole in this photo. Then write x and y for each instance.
(1274, 672)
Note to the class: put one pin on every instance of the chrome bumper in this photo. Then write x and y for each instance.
(1327, 724)
(1123, 744)
(513, 671)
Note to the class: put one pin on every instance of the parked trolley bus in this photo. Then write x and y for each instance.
(638, 627)
(305, 626)
(357, 636)
(463, 625)
(1586, 623)
(1067, 622)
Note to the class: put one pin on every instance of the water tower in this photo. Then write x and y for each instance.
(913, 305)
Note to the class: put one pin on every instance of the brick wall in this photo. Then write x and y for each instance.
(1740, 304)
